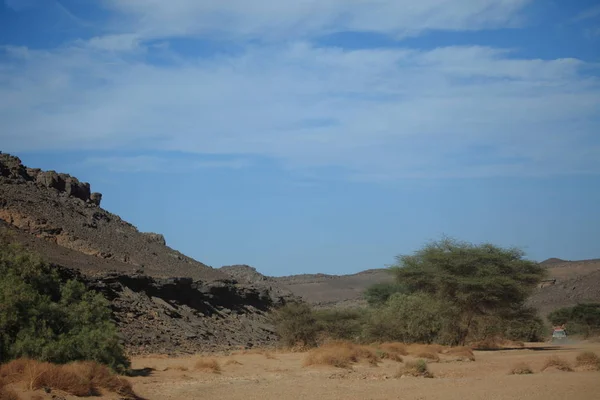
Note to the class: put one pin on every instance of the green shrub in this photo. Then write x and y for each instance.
(46, 319)
(342, 324)
(415, 318)
(379, 293)
(296, 325)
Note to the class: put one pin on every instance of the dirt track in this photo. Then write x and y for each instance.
(282, 376)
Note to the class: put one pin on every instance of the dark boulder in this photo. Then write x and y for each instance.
(80, 190)
(96, 198)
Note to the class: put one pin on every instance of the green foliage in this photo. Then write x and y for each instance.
(342, 324)
(448, 292)
(414, 318)
(296, 325)
(377, 294)
(476, 280)
(49, 320)
(582, 319)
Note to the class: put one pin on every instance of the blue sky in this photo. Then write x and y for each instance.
(316, 135)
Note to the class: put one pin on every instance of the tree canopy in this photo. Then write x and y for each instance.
(477, 280)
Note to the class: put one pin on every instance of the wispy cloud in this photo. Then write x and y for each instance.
(377, 114)
(265, 19)
(165, 165)
(589, 13)
(392, 112)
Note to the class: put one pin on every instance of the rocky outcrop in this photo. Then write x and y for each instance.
(52, 207)
(162, 300)
(179, 315)
(13, 171)
(249, 275)
(96, 198)
(152, 237)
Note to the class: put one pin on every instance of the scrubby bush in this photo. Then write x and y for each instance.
(417, 368)
(296, 325)
(342, 324)
(379, 293)
(555, 362)
(341, 354)
(208, 365)
(415, 318)
(521, 369)
(46, 319)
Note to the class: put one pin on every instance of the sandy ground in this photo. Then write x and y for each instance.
(282, 376)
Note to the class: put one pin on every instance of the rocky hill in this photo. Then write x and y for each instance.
(568, 283)
(162, 300)
(323, 290)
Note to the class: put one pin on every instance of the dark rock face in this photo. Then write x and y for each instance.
(180, 315)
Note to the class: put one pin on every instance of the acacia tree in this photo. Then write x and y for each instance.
(476, 280)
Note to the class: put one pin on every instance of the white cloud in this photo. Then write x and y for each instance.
(380, 113)
(288, 18)
(377, 114)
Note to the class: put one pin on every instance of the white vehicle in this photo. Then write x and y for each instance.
(559, 334)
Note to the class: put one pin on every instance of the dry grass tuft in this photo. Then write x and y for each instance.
(78, 379)
(521, 369)
(385, 355)
(417, 368)
(460, 353)
(58, 377)
(555, 362)
(429, 356)
(394, 348)
(588, 360)
(416, 349)
(13, 371)
(232, 362)
(8, 394)
(341, 354)
(208, 365)
(101, 376)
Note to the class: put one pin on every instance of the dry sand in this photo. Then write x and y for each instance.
(282, 376)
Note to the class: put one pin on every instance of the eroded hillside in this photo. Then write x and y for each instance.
(162, 300)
